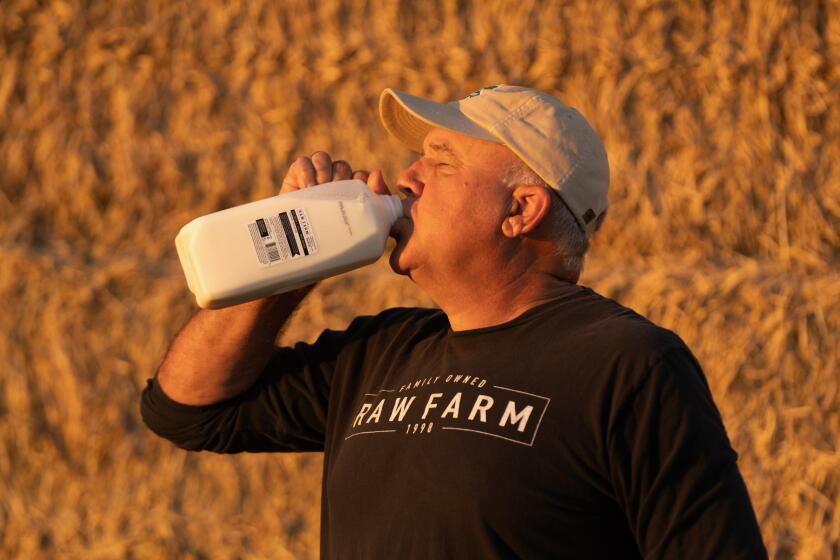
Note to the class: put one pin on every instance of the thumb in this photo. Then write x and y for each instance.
(376, 183)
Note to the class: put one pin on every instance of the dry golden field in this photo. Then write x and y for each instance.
(122, 120)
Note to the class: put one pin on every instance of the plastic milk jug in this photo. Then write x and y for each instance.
(284, 242)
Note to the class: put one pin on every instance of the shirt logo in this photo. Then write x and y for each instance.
(455, 402)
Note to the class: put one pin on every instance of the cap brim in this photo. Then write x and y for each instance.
(410, 118)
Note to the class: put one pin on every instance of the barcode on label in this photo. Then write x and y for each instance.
(271, 249)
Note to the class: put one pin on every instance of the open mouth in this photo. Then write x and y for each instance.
(401, 228)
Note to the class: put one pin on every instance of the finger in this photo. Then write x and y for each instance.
(377, 183)
(323, 167)
(341, 170)
(301, 174)
(361, 175)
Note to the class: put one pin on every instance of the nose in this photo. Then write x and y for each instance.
(409, 182)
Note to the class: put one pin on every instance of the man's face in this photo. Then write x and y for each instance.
(456, 202)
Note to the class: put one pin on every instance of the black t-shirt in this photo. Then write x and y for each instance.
(577, 430)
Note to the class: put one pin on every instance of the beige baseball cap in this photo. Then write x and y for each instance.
(551, 138)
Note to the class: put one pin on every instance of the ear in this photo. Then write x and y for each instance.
(528, 206)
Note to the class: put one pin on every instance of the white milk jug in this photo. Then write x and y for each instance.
(284, 242)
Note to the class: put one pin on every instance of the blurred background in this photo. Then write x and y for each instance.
(122, 120)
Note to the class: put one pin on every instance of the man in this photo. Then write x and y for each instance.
(529, 417)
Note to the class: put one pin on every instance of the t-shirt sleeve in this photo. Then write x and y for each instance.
(674, 470)
(285, 410)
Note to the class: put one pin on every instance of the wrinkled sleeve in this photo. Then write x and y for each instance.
(675, 472)
(285, 410)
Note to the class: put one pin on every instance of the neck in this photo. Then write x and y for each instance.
(471, 305)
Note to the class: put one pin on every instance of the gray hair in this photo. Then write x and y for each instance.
(560, 225)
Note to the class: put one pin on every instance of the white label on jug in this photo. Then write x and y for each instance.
(284, 236)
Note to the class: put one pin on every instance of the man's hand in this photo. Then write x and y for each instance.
(221, 352)
(320, 168)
